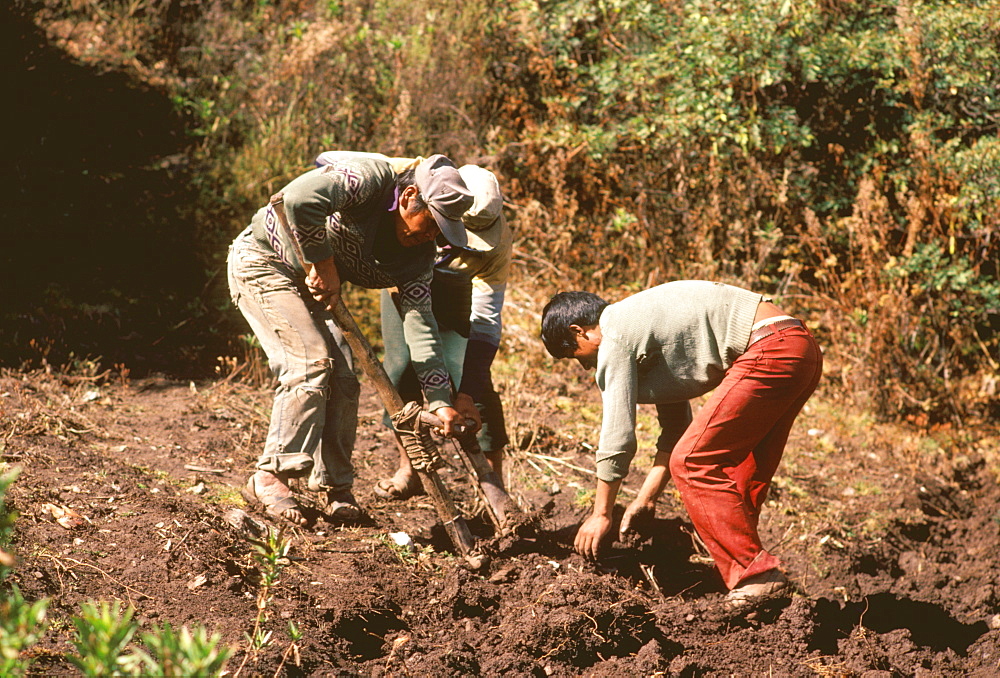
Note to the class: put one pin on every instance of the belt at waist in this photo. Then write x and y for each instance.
(768, 330)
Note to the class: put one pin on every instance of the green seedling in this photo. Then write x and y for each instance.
(272, 557)
(584, 497)
(259, 640)
(293, 647)
(102, 633)
(22, 624)
(183, 653)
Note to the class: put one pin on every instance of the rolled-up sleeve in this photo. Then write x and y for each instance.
(617, 377)
(420, 330)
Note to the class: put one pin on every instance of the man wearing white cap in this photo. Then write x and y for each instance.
(356, 219)
(468, 294)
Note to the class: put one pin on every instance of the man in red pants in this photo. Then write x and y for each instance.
(665, 346)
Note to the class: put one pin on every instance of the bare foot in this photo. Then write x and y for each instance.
(403, 484)
(272, 492)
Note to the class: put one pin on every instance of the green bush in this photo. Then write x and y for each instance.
(841, 156)
(22, 625)
(181, 653)
(102, 633)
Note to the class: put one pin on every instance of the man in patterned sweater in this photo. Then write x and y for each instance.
(356, 220)
(665, 346)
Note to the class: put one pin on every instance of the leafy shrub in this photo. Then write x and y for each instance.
(102, 633)
(842, 156)
(181, 653)
(22, 624)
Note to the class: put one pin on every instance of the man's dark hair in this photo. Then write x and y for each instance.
(408, 177)
(565, 309)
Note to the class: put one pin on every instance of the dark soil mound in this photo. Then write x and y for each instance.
(153, 467)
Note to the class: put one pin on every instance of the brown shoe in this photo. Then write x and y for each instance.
(756, 588)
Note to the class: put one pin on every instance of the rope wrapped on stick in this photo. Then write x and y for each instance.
(416, 438)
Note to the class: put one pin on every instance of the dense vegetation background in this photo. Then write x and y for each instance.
(841, 155)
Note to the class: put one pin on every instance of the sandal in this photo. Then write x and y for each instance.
(273, 506)
(342, 507)
(397, 488)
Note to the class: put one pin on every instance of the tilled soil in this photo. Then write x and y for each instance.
(894, 562)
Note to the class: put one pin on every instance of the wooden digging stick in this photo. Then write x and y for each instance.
(499, 505)
(448, 513)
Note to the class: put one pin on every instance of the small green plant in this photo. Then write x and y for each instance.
(412, 554)
(863, 489)
(584, 497)
(259, 639)
(7, 518)
(272, 557)
(293, 648)
(223, 494)
(180, 653)
(102, 633)
(22, 624)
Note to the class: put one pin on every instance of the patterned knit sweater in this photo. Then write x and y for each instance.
(667, 344)
(345, 210)
(487, 271)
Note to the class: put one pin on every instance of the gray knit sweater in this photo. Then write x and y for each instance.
(345, 209)
(667, 344)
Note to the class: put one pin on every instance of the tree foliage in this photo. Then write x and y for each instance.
(842, 155)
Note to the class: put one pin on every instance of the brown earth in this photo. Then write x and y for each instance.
(894, 553)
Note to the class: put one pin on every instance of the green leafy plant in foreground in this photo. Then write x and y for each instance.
(102, 633)
(22, 624)
(103, 630)
(7, 518)
(181, 653)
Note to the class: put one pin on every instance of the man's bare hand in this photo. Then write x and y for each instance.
(451, 421)
(323, 281)
(591, 534)
(467, 408)
(637, 522)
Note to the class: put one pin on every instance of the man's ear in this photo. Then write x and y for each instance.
(406, 197)
(577, 331)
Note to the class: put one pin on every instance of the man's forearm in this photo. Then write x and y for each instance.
(476, 368)
(656, 480)
(604, 498)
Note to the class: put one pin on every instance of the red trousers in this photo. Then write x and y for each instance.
(724, 462)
